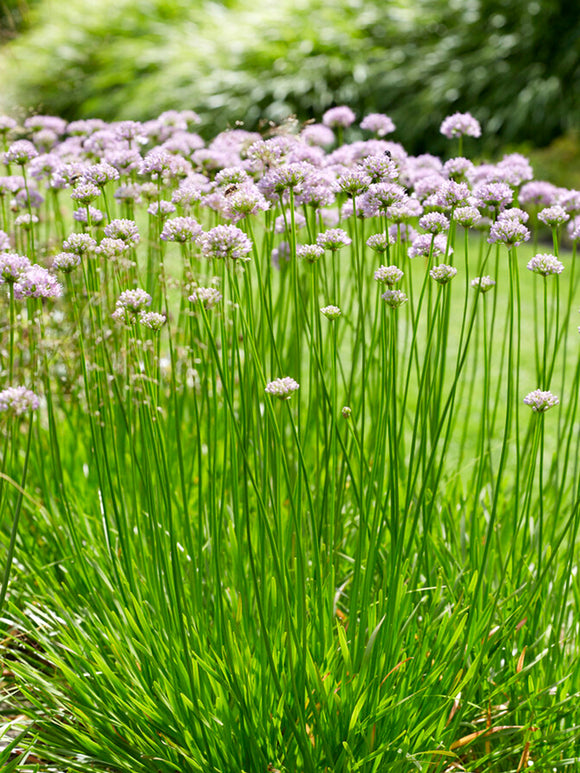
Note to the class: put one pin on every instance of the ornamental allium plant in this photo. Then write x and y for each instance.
(271, 497)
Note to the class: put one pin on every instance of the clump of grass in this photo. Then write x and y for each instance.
(284, 506)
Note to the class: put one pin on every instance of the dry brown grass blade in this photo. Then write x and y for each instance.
(520, 664)
(524, 758)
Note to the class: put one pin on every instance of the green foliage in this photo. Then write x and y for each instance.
(514, 65)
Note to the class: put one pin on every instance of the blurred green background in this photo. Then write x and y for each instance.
(513, 63)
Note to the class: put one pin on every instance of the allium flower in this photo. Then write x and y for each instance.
(126, 230)
(246, 200)
(226, 241)
(18, 400)
(66, 262)
(317, 134)
(545, 264)
(80, 244)
(434, 223)
(209, 296)
(451, 194)
(378, 242)
(346, 412)
(333, 239)
(161, 209)
(570, 200)
(406, 210)
(574, 229)
(467, 216)
(284, 178)
(100, 174)
(26, 221)
(514, 213)
(181, 229)
(494, 195)
(443, 274)
(394, 298)
(12, 267)
(378, 123)
(112, 248)
(7, 124)
(509, 232)
(310, 252)
(402, 231)
(456, 168)
(4, 241)
(134, 300)
(280, 222)
(85, 193)
(339, 116)
(80, 215)
(540, 401)
(331, 312)
(282, 388)
(538, 193)
(388, 275)
(280, 254)
(37, 282)
(553, 216)
(20, 152)
(424, 244)
(380, 168)
(380, 196)
(353, 182)
(459, 125)
(152, 319)
(483, 283)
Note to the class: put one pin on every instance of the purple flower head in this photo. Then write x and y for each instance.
(388, 275)
(134, 300)
(405, 210)
(460, 125)
(85, 128)
(280, 254)
(85, 193)
(209, 296)
(26, 221)
(31, 198)
(246, 200)
(574, 229)
(280, 222)
(18, 400)
(427, 184)
(380, 168)
(540, 401)
(378, 242)
(20, 152)
(278, 181)
(44, 166)
(226, 242)
(570, 200)
(80, 215)
(317, 134)
(7, 124)
(331, 312)
(545, 265)
(402, 231)
(434, 223)
(152, 319)
(188, 193)
(341, 116)
(80, 244)
(378, 123)
(12, 267)
(424, 244)
(443, 274)
(66, 262)
(394, 298)
(309, 252)
(380, 196)
(161, 209)
(232, 175)
(131, 192)
(37, 282)
(11, 184)
(514, 213)
(483, 284)
(553, 216)
(181, 229)
(451, 194)
(317, 189)
(126, 230)
(515, 169)
(113, 248)
(156, 162)
(494, 195)
(333, 239)
(457, 168)
(124, 160)
(128, 130)
(509, 232)
(538, 193)
(51, 122)
(4, 241)
(467, 216)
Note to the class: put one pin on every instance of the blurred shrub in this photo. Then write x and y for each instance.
(513, 63)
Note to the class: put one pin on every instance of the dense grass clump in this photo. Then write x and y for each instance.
(290, 456)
